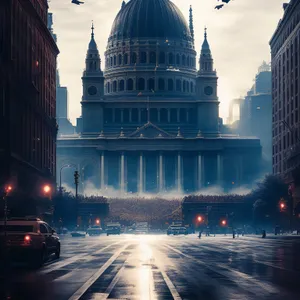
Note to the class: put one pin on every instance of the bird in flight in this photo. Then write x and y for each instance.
(77, 2)
(219, 6)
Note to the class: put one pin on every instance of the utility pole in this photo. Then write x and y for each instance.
(76, 179)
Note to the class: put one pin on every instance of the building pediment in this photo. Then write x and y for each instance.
(149, 130)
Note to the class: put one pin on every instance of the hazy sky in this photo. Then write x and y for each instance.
(238, 34)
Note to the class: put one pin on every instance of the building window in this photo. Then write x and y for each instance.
(121, 85)
(115, 60)
(118, 115)
(183, 60)
(178, 85)
(173, 115)
(151, 84)
(111, 61)
(143, 57)
(120, 59)
(134, 115)
(162, 58)
(161, 84)
(163, 115)
(188, 61)
(182, 115)
(184, 85)
(125, 59)
(152, 58)
(141, 84)
(125, 115)
(115, 86)
(177, 59)
(192, 87)
(171, 59)
(170, 84)
(108, 87)
(133, 58)
(129, 84)
(144, 115)
(108, 115)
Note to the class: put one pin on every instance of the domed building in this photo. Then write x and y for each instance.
(150, 122)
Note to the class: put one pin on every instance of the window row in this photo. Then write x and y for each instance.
(140, 115)
(150, 85)
(151, 58)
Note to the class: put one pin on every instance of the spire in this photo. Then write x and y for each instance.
(123, 4)
(92, 44)
(206, 60)
(191, 23)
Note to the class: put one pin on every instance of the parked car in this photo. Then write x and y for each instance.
(29, 238)
(94, 230)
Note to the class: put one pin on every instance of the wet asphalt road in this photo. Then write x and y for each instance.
(163, 267)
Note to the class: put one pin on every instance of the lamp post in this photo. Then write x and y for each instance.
(60, 172)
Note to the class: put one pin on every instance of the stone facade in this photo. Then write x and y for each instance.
(150, 122)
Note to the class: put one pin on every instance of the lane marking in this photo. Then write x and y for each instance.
(60, 264)
(96, 275)
(170, 285)
(264, 286)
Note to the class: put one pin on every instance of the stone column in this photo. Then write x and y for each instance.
(220, 169)
(200, 171)
(139, 115)
(158, 115)
(179, 172)
(178, 115)
(102, 173)
(187, 116)
(141, 174)
(161, 181)
(122, 173)
(169, 115)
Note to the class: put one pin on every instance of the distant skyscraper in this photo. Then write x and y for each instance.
(27, 97)
(285, 50)
(65, 127)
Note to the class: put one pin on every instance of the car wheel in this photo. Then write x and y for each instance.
(57, 252)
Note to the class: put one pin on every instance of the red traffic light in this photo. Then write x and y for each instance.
(46, 189)
(282, 205)
(223, 222)
(8, 188)
(199, 219)
(97, 221)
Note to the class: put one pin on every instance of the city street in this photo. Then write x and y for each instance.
(163, 267)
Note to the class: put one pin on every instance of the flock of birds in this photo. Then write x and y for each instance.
(77, 2)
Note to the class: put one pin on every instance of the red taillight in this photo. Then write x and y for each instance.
(27, 238)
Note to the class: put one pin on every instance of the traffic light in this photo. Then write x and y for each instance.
(223, 222)
(76, 177)
(199, 219)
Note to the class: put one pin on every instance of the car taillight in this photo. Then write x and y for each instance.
(27, 238)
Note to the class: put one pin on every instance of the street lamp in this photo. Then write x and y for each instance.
(47, 189)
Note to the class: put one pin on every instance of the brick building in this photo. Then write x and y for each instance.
(27, 96)
(285, 50)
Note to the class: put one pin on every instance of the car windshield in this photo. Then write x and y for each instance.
(17, 228)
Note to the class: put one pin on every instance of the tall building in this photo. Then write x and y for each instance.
(62, 118)
(150, 122)
(27, 96)
(285, 50)
(256, 113)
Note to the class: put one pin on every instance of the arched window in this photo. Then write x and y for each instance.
(111, 61)
(129, 84)
(163, 115)
(108, 87)
(125, 59)
(183, 60)
(152, 58)
(161, 84)
(188, 61)
(141, 84)
(115, 60)
(133, 58)
(192, 87)
(151, 84)
(120, 59)
(178, 85)
(170, 84)
(121, 85)
(115, 86)
(143, 57)
(171, 59)
(184, 85)
(134, 115)
(177, 59)
(162, 58)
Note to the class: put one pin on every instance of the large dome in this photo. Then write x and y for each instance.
(150, 19)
